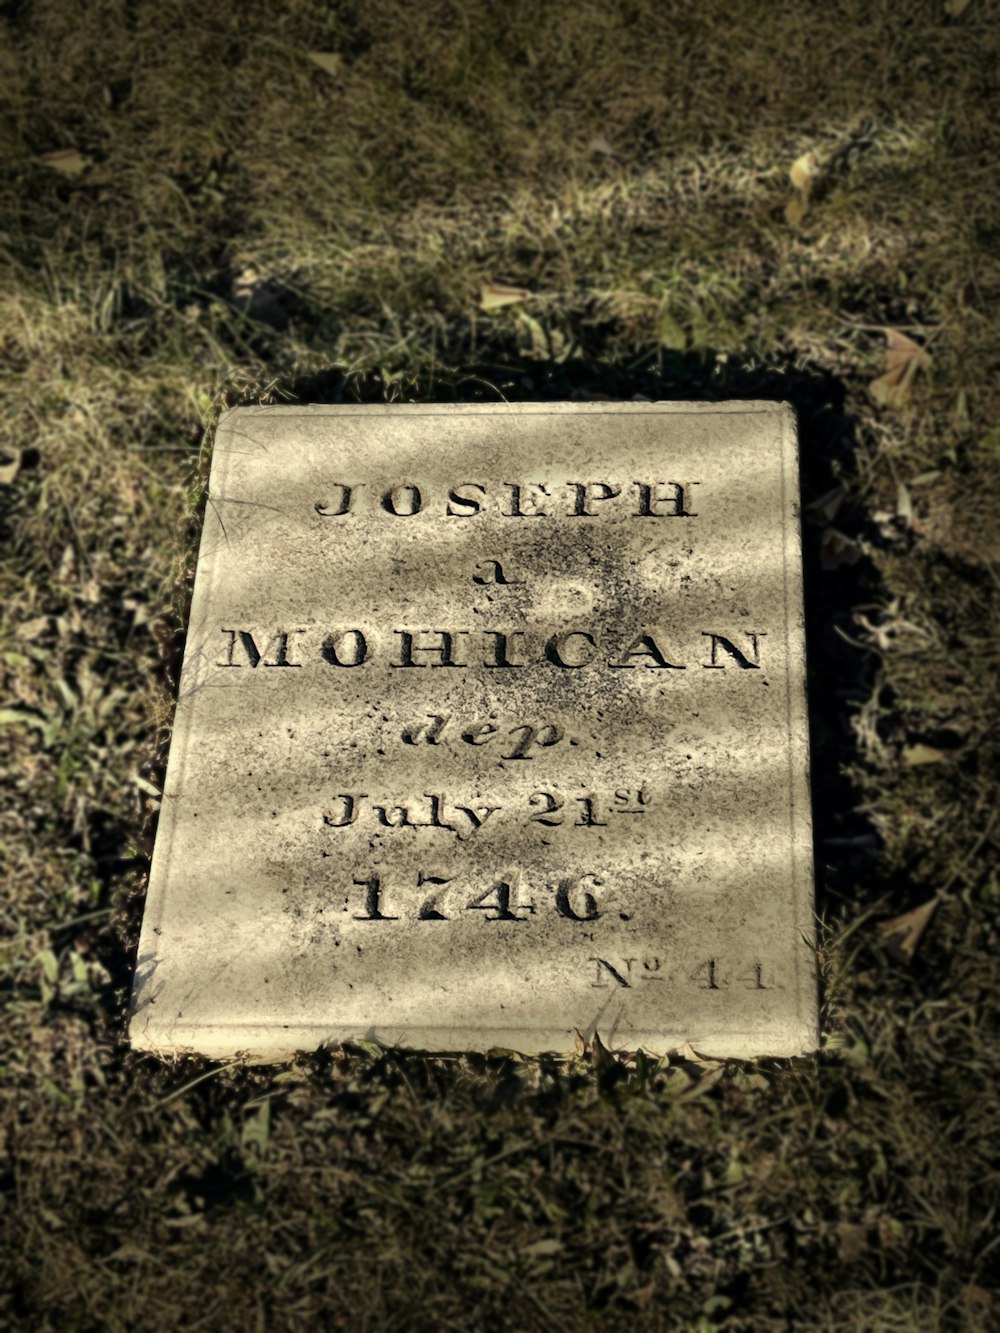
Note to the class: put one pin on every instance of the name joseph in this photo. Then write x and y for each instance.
(530, 499)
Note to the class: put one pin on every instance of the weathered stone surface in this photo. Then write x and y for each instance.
(491, 730)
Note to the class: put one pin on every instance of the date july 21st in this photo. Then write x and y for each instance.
(547, 807)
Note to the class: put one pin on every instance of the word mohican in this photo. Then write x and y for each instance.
(568, 650)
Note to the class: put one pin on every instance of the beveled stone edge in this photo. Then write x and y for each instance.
(801, 840)
(560, 407)
(267, 1047)
(260, 1044)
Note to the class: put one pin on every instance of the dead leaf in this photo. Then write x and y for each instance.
(493, 295)
(10, 465)
(67, 161)
(601, 147)
(835, 550)
(903, 358)
(331, 62)
(901, 350)
(825, 507)
(129, 1253)
(894, 388)
(691, 1073)
(245, 282)
(29, 630)
(804, 172)
(890, 1232)
(902, 934)
(922, 754)
(956, 8)
(679, 1081)
(705, 1083)
(980, 1299)
(852, 1241)
(904, 505)
(693, 1057)
(643, 1296)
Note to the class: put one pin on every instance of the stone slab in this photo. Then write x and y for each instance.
(491, 730)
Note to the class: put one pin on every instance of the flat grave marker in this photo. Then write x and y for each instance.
(491, 730)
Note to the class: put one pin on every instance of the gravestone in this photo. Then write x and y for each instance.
(491, 730)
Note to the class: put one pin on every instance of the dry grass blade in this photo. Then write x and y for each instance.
(542, 1249)
(795, 210)
(330, 62)
(902, 934)
(494, 295)
(67, 161)
(672, 334)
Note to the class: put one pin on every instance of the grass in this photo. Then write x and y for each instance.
(228, 222)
